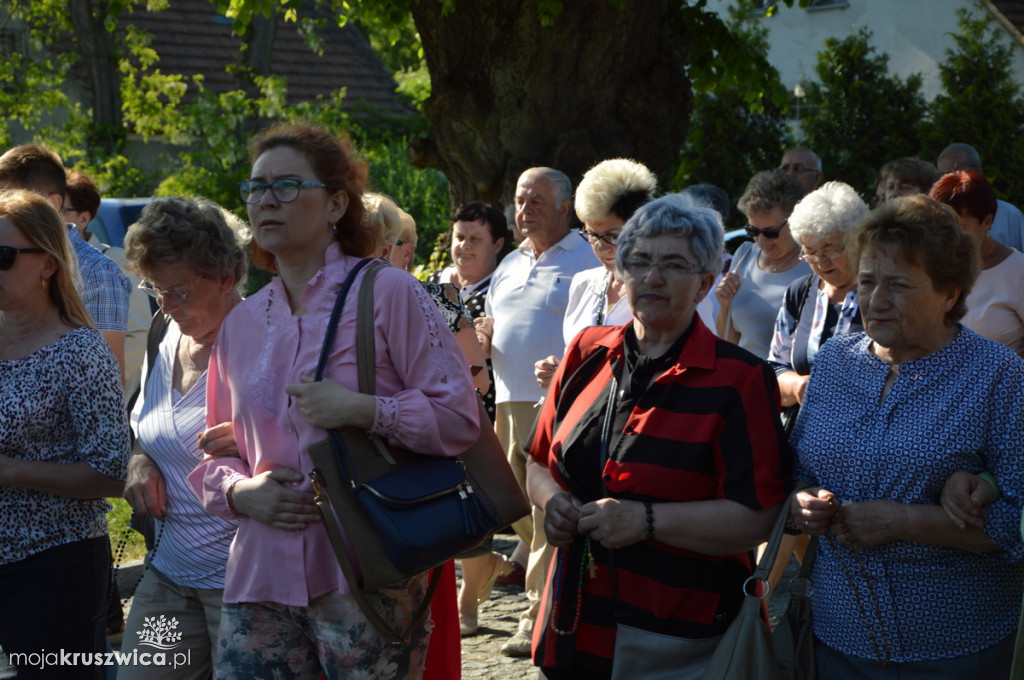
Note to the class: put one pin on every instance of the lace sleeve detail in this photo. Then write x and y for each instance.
(442, 362)
(385, 417)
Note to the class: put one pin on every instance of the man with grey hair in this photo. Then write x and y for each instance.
(1008, 224)
(805, 165)
(525, 305)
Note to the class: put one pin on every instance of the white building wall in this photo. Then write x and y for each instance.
(914, 33)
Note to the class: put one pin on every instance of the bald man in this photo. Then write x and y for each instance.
(1008, 224)
(805, 165)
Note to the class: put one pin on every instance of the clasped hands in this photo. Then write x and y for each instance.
(612, 522)
(865, 524)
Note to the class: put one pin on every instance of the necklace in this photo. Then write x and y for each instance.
(781, 266)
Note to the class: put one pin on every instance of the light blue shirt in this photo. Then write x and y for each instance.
(1008, 226)
(104, 288)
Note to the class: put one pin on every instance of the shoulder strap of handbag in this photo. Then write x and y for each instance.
(365, 354)
(802, 300)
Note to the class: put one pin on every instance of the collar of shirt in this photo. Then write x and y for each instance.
(698, 350)
(569, 242)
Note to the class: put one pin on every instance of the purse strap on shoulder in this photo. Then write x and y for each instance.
(365, 342)
(332, 324)
(365, 360)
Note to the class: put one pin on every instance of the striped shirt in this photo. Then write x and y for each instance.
(194, 543)
(706, 428)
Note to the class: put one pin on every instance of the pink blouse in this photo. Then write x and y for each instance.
(425, 402)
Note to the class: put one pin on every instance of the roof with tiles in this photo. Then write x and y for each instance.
(192, 39)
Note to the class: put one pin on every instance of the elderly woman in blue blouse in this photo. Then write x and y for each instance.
(823, 303)
(900, 590)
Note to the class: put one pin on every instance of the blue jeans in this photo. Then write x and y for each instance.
(993, 662)
(55, 601)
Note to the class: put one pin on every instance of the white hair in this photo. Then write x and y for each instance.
(832, 208)
(618, 186)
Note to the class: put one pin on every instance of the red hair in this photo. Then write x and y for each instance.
(967, 192)
(337, 166)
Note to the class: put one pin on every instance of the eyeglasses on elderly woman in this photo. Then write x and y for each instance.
(593, 237)
(178, 296)
(8, 254)
(829, 254)
(670, 268)
(283, 190)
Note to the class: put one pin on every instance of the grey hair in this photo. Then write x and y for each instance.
(197, 234)
(770, 189)
(618, 186)
(559, 180)
(834, 207)
(676, 215)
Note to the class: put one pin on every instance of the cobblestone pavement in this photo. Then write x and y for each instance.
(499, 619)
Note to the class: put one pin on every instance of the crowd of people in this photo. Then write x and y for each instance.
(661, 403)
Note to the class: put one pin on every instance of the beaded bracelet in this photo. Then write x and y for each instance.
(650, 520)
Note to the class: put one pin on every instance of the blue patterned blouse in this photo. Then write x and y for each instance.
(961, 408)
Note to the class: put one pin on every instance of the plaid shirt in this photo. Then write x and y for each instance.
(103, 286)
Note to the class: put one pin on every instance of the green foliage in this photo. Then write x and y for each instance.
(732, 136)
(860, 115)
(982, 104)
(118, 530)
(31, 77)
(421, 193)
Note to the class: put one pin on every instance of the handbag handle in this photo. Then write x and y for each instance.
(332, 324)
(364, 353)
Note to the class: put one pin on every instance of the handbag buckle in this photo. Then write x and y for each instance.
(316, 478)
(755, 579)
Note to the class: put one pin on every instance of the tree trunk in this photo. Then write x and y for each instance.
(99, 54)
(509, 93)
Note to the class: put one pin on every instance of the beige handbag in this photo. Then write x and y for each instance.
(748, 650)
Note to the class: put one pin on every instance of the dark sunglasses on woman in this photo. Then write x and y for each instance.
(9, 253)
(771, 232)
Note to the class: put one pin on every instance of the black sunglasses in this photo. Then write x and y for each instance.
(9, 253)
(773, 232)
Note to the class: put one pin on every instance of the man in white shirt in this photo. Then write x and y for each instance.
(1008, 224)
(525, 305)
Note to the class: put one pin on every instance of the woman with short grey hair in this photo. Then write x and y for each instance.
(823, 303)
(750, 294)
(680, 216)
(189, 255)
(612, 470)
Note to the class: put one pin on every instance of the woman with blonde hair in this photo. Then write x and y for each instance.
(63, 446)
(607, 196)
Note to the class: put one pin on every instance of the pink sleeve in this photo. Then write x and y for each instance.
(213, 477)
(432, 408)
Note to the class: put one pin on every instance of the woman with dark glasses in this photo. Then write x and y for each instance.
(750, 294)
(63, 447)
